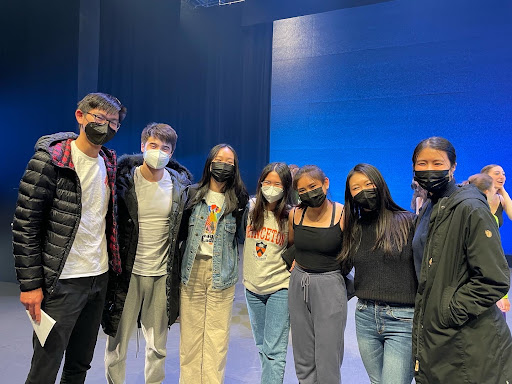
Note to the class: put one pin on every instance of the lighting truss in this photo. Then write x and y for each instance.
(212, 3)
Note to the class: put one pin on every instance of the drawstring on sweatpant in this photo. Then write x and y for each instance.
(139, 326)
(138, 335)
(304, 283)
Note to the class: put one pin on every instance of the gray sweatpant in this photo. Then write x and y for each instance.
(147, 295)
(318, 315)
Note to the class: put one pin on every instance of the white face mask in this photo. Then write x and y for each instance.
(271, 193)
(156, 158)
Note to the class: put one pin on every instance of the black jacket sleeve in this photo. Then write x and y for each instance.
(35, 195)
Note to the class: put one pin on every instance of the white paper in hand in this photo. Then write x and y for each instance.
(42, 329)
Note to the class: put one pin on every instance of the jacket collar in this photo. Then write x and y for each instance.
(127, 164)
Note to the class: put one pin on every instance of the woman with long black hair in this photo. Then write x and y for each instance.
(209, 267)
(377, 241)
(266, 278)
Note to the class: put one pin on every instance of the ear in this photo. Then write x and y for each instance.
(452, 170)
(326, 183)
(142, 147)
(80, 117)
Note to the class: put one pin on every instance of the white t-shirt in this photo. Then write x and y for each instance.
(215, 201)
(155, 202)
(264, 269)
(88, 255)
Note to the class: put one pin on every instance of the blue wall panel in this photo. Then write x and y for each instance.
(366, 84)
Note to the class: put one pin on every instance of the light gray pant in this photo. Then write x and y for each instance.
(318, 315)
(147, 295)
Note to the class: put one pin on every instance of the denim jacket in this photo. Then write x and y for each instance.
(225, 247)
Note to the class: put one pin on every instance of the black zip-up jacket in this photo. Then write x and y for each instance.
(459, 334)
(129, 235)
(48, 213)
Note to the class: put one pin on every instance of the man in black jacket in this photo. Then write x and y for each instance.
(65, 237)
(151, 202)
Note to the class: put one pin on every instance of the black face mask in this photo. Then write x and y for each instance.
(432, 181)
(99, 134)
(313, 198)
(222, 172)
(367, 199)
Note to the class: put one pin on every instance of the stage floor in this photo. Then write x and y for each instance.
(242, 364)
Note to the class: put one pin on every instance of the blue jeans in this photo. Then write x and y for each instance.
(270, 323)
(384, 336)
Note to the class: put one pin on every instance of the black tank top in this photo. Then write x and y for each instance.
(318, 248)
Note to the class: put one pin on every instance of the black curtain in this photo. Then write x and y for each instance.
(256, 98)
(137, 63)
(197, 69)
(224, 75)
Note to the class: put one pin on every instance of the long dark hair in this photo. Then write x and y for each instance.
(257, 215)
(234, 190)
(393, 224)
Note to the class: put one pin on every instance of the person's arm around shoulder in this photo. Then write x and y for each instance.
(242, 225)
(489, 274)
(291, 215)
(34, 195)
(189, 193)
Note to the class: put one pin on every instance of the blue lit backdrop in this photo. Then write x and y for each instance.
(367, 84)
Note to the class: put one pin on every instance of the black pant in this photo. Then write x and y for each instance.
(76, 305)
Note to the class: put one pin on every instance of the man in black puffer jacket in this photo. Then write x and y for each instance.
(152, 193)
(65, 237)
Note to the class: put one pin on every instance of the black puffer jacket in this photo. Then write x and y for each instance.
(129, 235)
(459, 334)
(48, 212)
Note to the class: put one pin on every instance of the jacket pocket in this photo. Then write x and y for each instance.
(230, 232)
(445, 316)
(192, 219)
(231, 227)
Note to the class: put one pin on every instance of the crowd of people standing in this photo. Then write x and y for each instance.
(120, 243)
